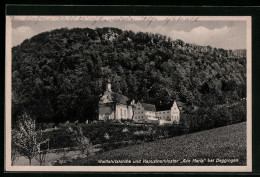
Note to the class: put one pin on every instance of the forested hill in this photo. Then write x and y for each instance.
(60, 74)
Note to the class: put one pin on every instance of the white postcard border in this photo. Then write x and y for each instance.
(8, 167)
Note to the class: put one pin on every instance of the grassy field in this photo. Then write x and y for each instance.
(220, 146)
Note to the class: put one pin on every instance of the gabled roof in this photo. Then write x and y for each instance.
(119, 98)
(149, 107)
(180, 104)
(165, 107)
(113, 97)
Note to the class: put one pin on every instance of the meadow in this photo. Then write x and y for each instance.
(219, 146)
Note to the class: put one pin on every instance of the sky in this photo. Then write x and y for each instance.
(224, 34)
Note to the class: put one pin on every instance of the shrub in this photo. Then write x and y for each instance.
(82, 142)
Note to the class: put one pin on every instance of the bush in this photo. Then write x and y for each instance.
(59, 139)
(120, 135)
(81, 141)
(218, 116)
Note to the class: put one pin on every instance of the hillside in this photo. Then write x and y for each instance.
(59, 75)
(227, 142)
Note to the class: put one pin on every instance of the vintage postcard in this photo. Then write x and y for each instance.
(128, 94)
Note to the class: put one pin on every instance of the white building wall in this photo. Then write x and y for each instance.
(139, 112)
(175, 113)
(150, 114)
(121, 111)
(164, 115)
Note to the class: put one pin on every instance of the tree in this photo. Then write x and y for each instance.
(83, 143)
(27, 138)
(42, 147)
(54, 73)
(14, 149)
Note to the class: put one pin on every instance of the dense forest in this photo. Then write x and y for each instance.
(60, 75)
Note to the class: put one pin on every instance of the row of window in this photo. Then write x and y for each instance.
(169, 117)
(164, 117)
(121, 111)
(138, 117)
(139, 112)
(163, 112)
(175, 117)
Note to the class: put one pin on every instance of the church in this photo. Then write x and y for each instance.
(115, 106)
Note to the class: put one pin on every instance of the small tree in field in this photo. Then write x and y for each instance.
(42, 148)
(63, 152)
(83, 143)
(27, 139)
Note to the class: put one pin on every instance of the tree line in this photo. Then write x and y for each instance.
(60, 75)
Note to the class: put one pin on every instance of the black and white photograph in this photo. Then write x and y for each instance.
(128, 93)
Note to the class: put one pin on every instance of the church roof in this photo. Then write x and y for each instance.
(119, 98)
(149, 107)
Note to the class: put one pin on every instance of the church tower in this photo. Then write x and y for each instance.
(109, 86)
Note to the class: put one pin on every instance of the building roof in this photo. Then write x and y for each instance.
(165, 107)
(119, 98)
(179, 104)
(109, 97)
(149, 107)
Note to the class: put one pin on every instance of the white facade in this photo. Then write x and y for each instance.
(175, 113)
(172, 115)
(139, 113)
(114, 106)
(150, 114)
(121, 111)
(164, 115)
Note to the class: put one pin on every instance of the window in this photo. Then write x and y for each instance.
(142, 116)
(121, 111)
(167, 111)
(125, 113)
